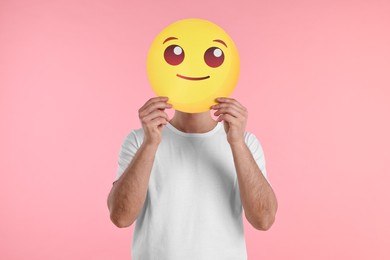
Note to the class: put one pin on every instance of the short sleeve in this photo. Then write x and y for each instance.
(128, 149)
(257, 151)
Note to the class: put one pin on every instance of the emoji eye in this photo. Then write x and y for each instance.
(174, 55)
(214, 57)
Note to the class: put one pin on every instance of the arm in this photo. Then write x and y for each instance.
(258, 199)
(128, 193)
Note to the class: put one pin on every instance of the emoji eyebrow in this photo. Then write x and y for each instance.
(169, 38)
(220, 41)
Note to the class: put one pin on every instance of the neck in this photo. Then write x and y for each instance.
(193, 122)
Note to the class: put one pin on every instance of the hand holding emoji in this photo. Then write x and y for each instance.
(234, 116)
(153, 119)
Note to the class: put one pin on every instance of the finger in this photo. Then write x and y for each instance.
(231, 101)
(228, 118)
(229, 110)
(154, 114)
(158, 121)
(226, 105)
(153, 100)
(154, 106)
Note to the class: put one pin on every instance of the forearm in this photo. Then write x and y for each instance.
(258, 199)
(128, 193)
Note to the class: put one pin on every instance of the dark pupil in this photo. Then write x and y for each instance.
(214, 57)
(174, 55)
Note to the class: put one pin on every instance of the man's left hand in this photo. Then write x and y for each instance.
(234, 116)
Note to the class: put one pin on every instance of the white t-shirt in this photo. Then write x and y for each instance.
(193, 209)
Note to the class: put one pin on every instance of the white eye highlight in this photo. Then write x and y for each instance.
(177, 50)
(217, 53)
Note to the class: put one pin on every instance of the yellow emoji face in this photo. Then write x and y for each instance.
(192, 62)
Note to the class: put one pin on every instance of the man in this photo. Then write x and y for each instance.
(186, 180)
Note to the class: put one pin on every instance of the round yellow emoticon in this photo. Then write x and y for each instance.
(192, 62)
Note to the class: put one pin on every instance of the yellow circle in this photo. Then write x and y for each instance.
(192, 62)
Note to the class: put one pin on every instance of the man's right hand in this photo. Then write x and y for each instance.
(153, 119)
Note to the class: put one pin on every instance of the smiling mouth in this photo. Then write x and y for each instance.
(192, 78)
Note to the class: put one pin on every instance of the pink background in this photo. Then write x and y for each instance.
(315, 78)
